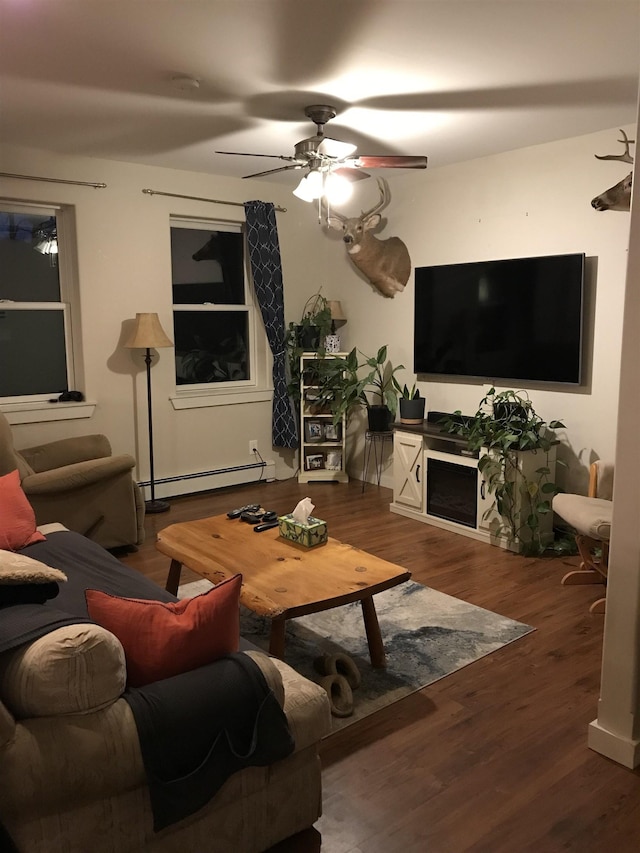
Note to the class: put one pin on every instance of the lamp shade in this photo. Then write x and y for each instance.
(148, 333)
(337, 312)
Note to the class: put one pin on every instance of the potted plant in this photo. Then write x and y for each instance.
(314, 324)
(411, 403)
(307, 335)
(344, 387)
(505, 427)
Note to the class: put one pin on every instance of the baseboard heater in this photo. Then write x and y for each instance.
(215, 472)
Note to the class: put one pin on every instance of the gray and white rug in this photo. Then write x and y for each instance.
(427, 635)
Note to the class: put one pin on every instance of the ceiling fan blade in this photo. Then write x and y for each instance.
(335, 148)
(391, 162)
(351, 174)
(273, 171)
(246, 154)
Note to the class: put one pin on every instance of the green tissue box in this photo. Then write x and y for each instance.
(314, 532)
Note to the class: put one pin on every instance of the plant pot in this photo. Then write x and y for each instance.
(309, 338)
(412, 411)
(380, 418)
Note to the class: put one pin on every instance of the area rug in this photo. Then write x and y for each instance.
(427, 635)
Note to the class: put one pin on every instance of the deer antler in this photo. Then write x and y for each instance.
(626, 157)
(383, 202)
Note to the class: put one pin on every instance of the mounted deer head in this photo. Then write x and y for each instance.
(617, 197)
(386, 263)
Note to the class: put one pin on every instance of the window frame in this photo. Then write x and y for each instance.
(68, 303)
(258, 386)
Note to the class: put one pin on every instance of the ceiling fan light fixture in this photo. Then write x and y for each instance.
(337, 189)
(310, 187)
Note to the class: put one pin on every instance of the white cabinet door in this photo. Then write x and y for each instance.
(407, 469)
(488, 516)
(531, 464)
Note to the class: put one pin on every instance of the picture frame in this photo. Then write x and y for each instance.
(313, 430)
(314, 461)
(332, 432)
(334, 460)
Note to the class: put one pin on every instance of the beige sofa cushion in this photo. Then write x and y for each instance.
(72, 670)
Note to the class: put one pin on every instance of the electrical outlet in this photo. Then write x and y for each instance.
(253, 445)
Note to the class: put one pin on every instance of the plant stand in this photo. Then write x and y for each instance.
(377, 441)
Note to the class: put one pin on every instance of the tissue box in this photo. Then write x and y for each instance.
(314, 532)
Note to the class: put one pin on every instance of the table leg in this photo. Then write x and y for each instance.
(374, 637)
(173, 579)
(276, 642)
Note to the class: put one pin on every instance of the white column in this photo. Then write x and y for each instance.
(616, 731)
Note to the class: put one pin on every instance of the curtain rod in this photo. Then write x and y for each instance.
(53, 180)
(198, 198)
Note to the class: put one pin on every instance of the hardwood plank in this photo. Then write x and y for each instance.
(491, 759)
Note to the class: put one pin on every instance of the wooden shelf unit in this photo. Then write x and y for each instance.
(322, 445)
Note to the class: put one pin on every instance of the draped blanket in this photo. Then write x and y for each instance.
(198, 728)
(195, 729)
(87, 566)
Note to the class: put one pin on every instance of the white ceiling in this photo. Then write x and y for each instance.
(451, 80)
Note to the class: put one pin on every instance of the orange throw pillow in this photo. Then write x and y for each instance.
(162, 639)
(17, 518)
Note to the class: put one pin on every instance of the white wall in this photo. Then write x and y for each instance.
(124, 267)
(526, 202)
(533, 201)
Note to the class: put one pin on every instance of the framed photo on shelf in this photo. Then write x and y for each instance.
(313, 430)
(332, 432)
(334, 460)
(314, 461)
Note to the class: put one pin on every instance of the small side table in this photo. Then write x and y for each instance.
(375, 440)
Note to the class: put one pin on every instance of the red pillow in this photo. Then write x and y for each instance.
(17, 518)
(162, 639)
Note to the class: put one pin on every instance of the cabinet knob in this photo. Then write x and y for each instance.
(417, 473)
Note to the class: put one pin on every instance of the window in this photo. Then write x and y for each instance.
(213, 309)
(36, 357)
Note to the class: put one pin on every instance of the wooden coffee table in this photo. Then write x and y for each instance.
(281, 579)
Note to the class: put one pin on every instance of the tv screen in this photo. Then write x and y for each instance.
(517, 319)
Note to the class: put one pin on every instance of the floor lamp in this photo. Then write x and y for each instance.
(148, 334)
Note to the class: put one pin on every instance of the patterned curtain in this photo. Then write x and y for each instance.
(266, 268)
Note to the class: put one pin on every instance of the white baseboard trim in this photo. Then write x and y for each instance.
(625, 751)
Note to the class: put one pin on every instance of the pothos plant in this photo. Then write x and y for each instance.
(505, 424)
(307, 334)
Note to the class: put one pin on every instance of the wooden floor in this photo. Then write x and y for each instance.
(492, 759)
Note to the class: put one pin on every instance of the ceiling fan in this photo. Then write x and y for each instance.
(324, 157)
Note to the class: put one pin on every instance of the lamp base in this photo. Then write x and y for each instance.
(156, 506)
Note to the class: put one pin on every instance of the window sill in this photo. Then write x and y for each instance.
(33, 413)
(207, 398)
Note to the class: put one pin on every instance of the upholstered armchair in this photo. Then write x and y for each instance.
(590, 517)
(78, 482)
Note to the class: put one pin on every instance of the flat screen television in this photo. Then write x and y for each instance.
(516, 319)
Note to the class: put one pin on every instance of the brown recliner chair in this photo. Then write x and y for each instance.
(77, 482)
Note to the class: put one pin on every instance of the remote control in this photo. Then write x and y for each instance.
(252, 517)
(265, 525)
(270, 515)
(236, 513)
